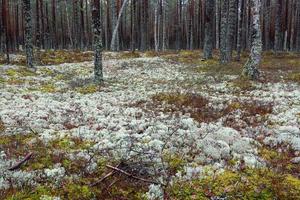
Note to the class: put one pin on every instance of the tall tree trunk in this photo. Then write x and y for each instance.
(38, 31)
(278, 27)
(75, 25)
(68, 24)
(114, 45)
(217, 24)
(209, 18)
(164, 22)
(251, 67)
(42, 35)
(232, 16)
(97, 41)
(298, 27)
(240, 27)
(5, 16)
(82, 31)
(113, 8)
(28, 34)
(132, 21)
(54, 36)
(224, 32)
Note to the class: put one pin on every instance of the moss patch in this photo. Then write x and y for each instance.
(249, 184)
(295, 77)
(19, 72)
(88, 89)
(48, 88)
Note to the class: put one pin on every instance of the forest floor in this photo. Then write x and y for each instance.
(162, 125)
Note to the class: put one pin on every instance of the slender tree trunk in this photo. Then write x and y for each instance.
(232, 16)
(42, 35)
(217, 24)
(28, 34)
(209, 18)
(298, 27)
(68, 24)
(251, 67)
(38, 34)
(156, 33)
(82, 31)
(97, 41)
(224, 32)
(113, 9)
(54, 36)
(240, 27)
(5, 27)
(164, 31)
(113, 44)
(278, 27)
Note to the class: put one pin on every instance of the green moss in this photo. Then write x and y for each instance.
(64, 56)
(11, 72)
(88, 89)
(48, 88)
(77, 192)
(29, 194)
(21, 72)
(175, 163)
(250, 184)
(2, 80)
(295, 77)
(47, 72)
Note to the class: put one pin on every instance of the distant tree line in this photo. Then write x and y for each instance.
(151, 24)
(115, 25)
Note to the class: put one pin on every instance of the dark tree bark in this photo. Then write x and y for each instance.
(28, 34)
(97, 41)
(224, 32)
(298, 27)
(54, 36)
(209, 19)
(38, 33)
(240, 28)
(278, 45)
(5, 15)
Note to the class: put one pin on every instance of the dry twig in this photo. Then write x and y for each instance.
(20, 163)
(132, 176)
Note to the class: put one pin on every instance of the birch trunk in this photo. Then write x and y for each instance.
(114, 42)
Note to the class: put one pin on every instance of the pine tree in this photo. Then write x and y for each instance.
(251, 67)
(278, 46)
(224, 32)
(97, 41)
(209, 21)
(28, 34)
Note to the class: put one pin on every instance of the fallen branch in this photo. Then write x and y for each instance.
(132, 176)
(103, 178)
(20, 163)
